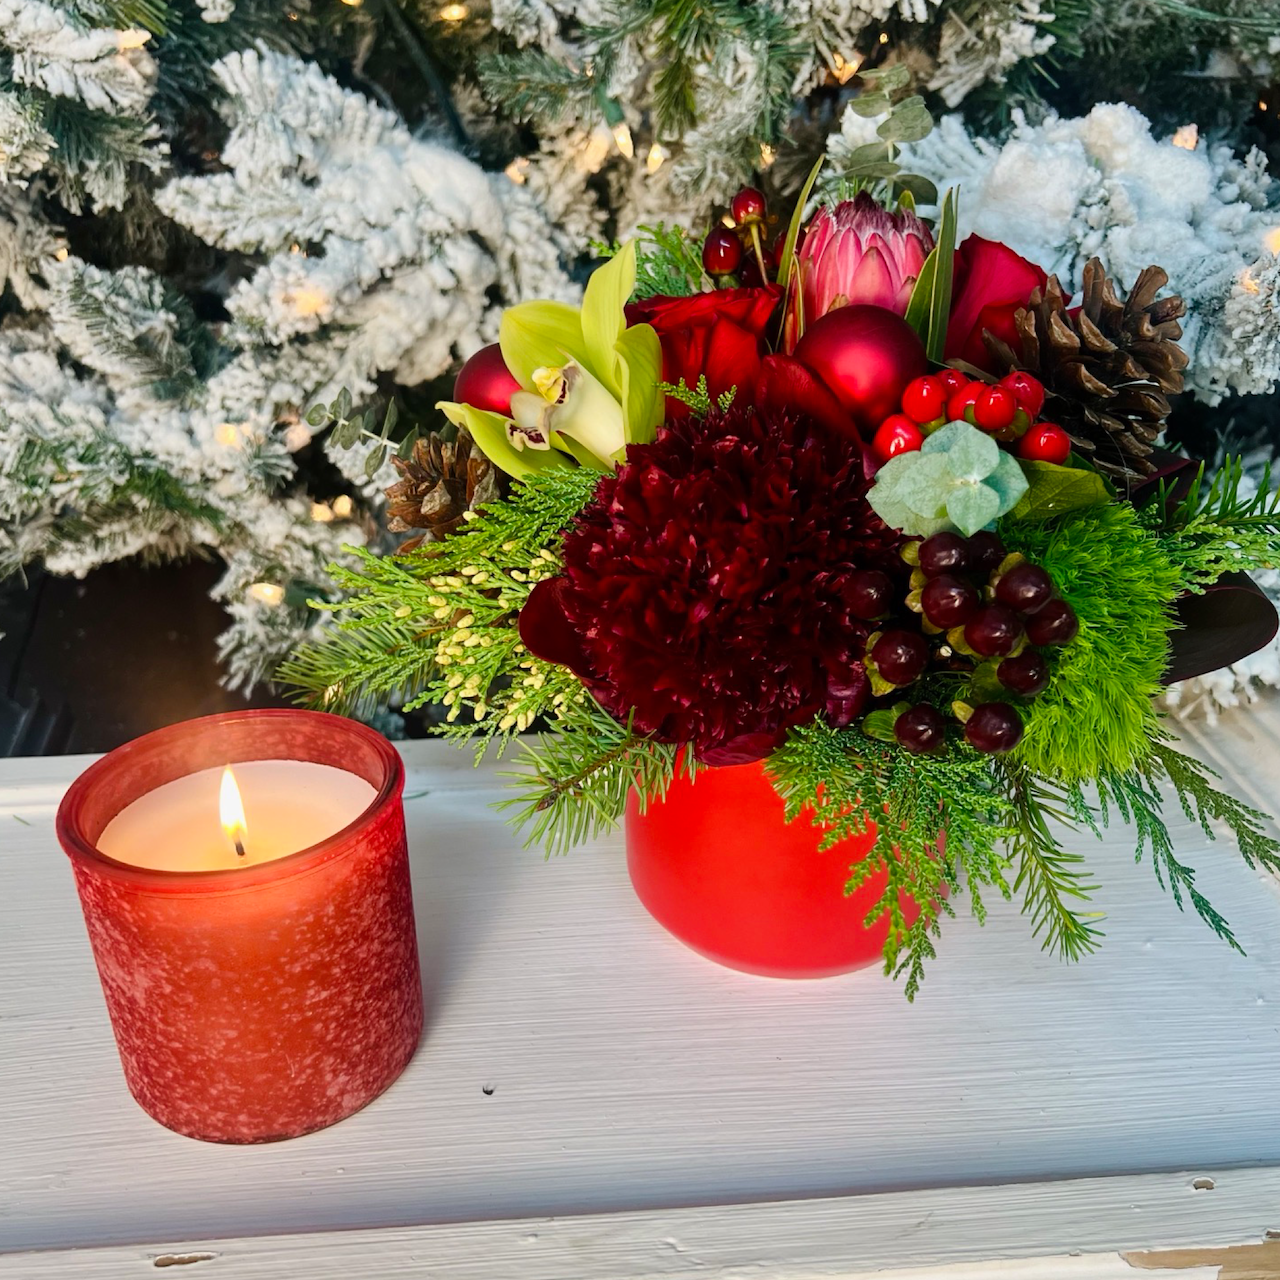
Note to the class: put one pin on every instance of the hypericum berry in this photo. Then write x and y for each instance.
(986, 551)
(993, 727)
(748, 206)
(900, 656)
(963, 400)
(949, 602)
(721, 252)
(1045, 442)
(1055, 623)
(1025, 588)
(921, 729)
(993, 631)
(943, 553)
(1027, 391)
(924, 399)
(994, 409)
(953, 380)
(869, 593)
(897, 434)
(1026, 673)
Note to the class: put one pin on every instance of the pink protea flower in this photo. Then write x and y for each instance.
(858, 252)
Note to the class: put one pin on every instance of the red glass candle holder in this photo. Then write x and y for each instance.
(262, 1002)
(716, 863)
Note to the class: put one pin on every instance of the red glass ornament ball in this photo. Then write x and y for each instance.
(925, 399)
(485, 382)
(1045, 442)
(897, 434)
(995, 408)
(866, 356)
(721, 252)
(748, 206)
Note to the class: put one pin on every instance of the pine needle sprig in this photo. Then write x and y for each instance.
(575, 782)
(1217, 527)
(668, 261)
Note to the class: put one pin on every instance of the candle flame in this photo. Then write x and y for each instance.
(231, 811)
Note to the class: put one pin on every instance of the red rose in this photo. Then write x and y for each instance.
(990, 285)
(718, 335)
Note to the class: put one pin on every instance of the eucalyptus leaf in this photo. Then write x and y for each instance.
(971, 507)
(341, 407)
(405, 447)
(919, 187)
(389, 422)
(908, 122)
(884, 169)
(317, 415)
(889, 79)
(374, 461)
(868, 105)
(868, 153)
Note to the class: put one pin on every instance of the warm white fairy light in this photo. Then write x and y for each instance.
(654, 160)
(622, 136)
(296, 436)
(845, 68)
(1187, 137)
(726, 220)
(309, 300)
(518, 170)
(1272, 241)
(228, 434)
(134, 38)
(322, 513)
(1248, 283)
(295, 247)
(62, 254)
(767, 155)
(267, 593)
(342, 506)
(596, 152)
(884, 37)
(354, 4)
(453, 13)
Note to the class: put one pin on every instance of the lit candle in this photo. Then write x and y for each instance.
(194, 823)
(262, 994)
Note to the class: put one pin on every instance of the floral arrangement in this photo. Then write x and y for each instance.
(888, 515)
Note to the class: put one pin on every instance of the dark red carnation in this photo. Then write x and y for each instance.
(990, 285)
(718, 335)
(707, 584)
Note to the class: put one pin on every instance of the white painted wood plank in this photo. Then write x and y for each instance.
(975, 1232)
(630, 1075)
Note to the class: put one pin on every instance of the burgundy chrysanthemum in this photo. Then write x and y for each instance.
(707, 585)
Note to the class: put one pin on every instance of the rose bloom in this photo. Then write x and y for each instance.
(990, 285)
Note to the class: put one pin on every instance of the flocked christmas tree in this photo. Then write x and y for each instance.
(215, 214)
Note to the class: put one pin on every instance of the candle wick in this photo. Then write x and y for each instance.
(239, 848)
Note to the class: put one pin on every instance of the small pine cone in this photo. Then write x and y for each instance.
(439, 483)
(1109, 367)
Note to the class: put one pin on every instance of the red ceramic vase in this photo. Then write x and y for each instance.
(259, 1003)
(717, 864)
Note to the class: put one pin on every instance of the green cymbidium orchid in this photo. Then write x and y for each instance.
(589, 383)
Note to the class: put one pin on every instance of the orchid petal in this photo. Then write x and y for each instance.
(534, 335)
(489, 431)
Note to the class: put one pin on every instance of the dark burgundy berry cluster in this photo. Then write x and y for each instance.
(989, 609)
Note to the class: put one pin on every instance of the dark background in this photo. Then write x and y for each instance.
(87, 665)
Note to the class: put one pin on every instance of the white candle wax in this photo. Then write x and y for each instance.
(288, 804)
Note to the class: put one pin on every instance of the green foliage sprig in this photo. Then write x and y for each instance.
(668, 261)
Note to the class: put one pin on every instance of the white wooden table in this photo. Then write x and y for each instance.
(592, 1101)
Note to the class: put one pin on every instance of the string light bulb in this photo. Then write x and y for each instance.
(309, 300)
(267, 593)
(1248, 283)
(654, 160)
(622, 136)
(322, 513)
(1187, 136)
(228, 434)
(353, 4)
(134, 38)
(1272, 241)
(845, 68)
(453, 13)
(767, 155)
(62, 254)
(518, 170)
(884, 37)
(342, 506)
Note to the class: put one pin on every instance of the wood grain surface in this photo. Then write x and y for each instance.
(581, 1065)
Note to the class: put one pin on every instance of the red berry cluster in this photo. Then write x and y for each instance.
(991, 611)
(738, 255)
(1008, 411)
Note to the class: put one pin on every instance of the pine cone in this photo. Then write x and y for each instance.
(1108, 366)
(439, 483)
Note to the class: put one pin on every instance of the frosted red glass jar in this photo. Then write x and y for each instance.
(716, 863)
(254, 1002)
